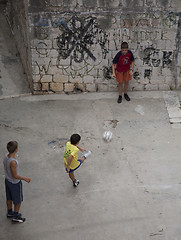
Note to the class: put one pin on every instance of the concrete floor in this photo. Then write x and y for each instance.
(129, 188)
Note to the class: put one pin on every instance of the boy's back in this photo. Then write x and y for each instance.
(71, 150)
(7, 169)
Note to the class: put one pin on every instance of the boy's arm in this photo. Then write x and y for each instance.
(115, 60)
(13, 166)
(132, 68)
(81, 149)
(69, 160)
(132, 65)
(113, 70)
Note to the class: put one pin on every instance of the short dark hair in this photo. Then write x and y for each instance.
(75, 138)
(12, 146)
(124, 45)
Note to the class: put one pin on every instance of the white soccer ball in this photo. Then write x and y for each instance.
(107, 136)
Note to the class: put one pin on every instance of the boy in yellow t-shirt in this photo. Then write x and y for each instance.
(71, 160)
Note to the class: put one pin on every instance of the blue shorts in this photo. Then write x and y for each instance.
(72, 170)
(14, 192)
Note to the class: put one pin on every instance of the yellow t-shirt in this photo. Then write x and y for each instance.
(71, 150)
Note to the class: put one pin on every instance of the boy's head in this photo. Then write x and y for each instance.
(75, 138)
(124, 48)
(12, 146)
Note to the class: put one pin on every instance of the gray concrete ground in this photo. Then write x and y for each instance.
(129, 188)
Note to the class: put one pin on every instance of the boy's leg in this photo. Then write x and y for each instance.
(9, 201)
(17, 207)
(127, 78)
(9, 204)
(120, 87)
(126, 83)
(72, 177)
(71, 174)
(10, 213)
(119, 79)
(18, 198)
(75, 181)
(17, 216)
(82, 159)
(17, 193)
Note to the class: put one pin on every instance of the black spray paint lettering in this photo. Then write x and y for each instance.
(147, 73)
(148, 52)
(41, 49)
(136, 75)
(156, 62)
(107, 71)
(43, 69)
(166, 59)
(151, 57)
(77, 37)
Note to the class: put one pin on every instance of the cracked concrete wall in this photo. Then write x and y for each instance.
(73, 43)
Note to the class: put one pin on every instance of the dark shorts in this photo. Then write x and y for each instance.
(72, 170)
(14, 192)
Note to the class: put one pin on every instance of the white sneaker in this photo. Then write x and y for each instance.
(87, 154)
(76, 183)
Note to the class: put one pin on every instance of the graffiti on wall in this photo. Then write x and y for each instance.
(43, 68)
(47, 20)
(153, 57)
(156, 58)
(77, 37)
(146, 35)
(148, 31)
(147, 73)
(84, 48)
(81, 43)
(150, 26)
(149, 19)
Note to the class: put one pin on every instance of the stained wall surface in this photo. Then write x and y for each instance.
(73, 43)
(17, 15)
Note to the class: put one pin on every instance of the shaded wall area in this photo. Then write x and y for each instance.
(17, 14)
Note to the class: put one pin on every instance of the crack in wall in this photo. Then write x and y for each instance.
(178, 42)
